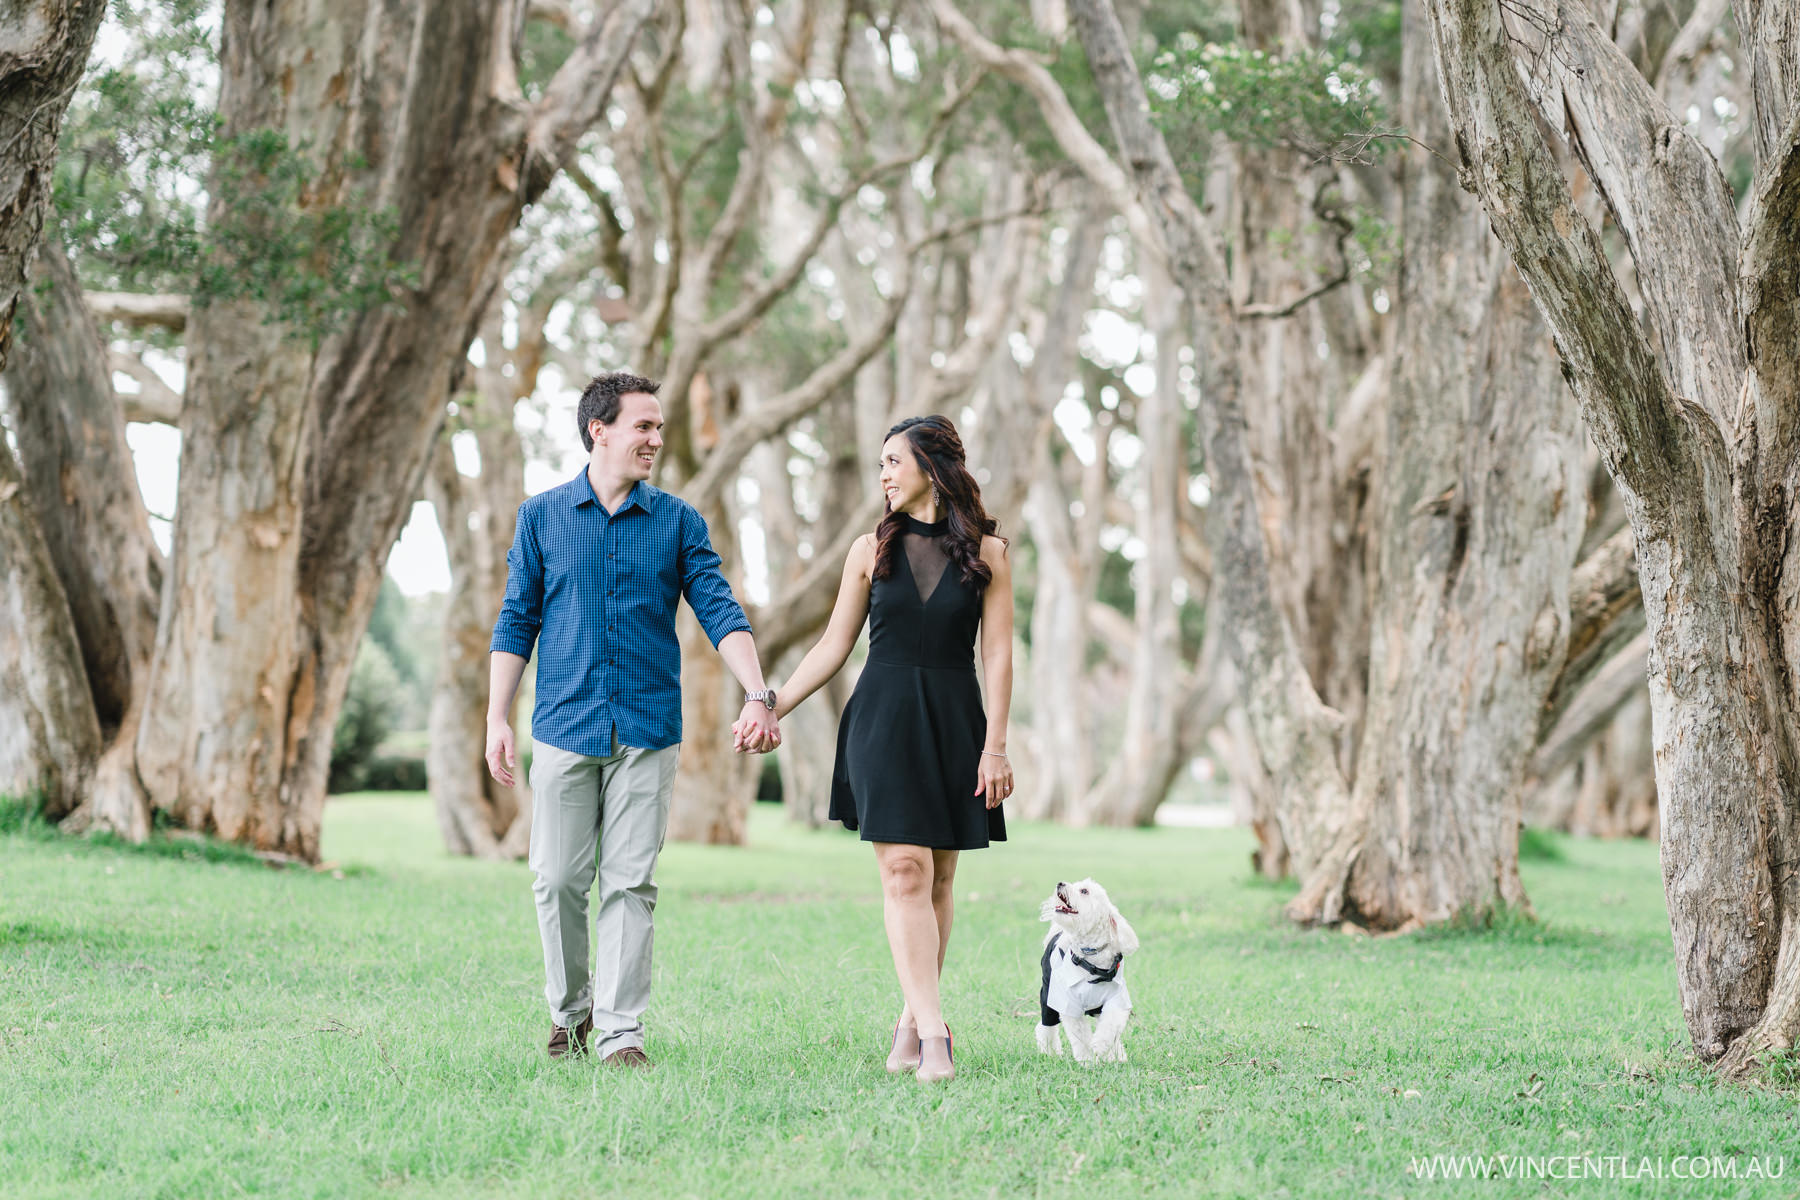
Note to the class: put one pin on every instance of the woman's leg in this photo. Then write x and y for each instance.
(943, 908)
(912, 930)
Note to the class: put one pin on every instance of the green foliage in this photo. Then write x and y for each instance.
(135, 145)
(388, 629)
(142, 161)
(23, 816)
(1539, 845)
(1368, 33)
(284, 240)
(375, 695)
(1311, 102)
(393, 773)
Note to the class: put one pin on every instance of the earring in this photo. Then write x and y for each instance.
(934, 494)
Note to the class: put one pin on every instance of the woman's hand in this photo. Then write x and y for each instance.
(994, 778)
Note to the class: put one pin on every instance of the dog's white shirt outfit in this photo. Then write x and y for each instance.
(1074, 983)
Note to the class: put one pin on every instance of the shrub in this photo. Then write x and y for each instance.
(369, 709)
(393, 773)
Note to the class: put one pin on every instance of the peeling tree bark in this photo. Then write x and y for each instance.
(1481, 512)
(49, 729)
(1699, 430)
(82, 486)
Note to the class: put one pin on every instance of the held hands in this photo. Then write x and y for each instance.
(756, 731)
(995, 778)
(501, 753)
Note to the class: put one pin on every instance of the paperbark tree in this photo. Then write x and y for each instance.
(1697, 411)
(1481, 512)
(49, 729)
(301, 457)
(81, 488)
(477, 814)
(1297, 732)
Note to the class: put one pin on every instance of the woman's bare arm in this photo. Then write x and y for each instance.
(832, 650)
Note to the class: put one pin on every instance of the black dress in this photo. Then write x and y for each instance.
(909, 745)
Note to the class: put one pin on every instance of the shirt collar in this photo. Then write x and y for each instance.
(581, 491)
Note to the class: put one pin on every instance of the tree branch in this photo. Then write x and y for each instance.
(1606, 610)
(1065, 125)
(1667, 196)
(766, 420)
(1586, 715)
(139, 309)
(1642, 429)
(577, 94)
(1772, 313)
(155, 402)
(1331, 215)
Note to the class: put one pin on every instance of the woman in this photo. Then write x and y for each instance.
(921, 772)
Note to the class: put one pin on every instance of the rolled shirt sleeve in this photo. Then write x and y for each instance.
(522, 611)
(702, 582)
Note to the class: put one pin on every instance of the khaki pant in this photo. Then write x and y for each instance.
(619, 806)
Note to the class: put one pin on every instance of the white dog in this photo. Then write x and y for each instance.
(1084, 973)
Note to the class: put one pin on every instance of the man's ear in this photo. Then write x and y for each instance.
(596, 430)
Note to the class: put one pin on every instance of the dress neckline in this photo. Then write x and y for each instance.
(912, 524)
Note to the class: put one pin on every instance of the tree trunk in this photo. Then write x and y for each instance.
(1481, 515)
(1151, 750)
(82, 486)
(1699, 427)
(478, 815)
(1299, 735)
(300, 465)
(50, 731)
(44, 48)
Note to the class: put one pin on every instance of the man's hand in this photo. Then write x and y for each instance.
(756, 731)
(501, 756)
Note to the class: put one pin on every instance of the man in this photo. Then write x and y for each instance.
(594, 575)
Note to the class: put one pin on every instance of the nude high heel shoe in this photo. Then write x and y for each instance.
(904, 1055)
(937, 1058)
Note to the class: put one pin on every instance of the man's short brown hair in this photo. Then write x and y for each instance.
(600, 400)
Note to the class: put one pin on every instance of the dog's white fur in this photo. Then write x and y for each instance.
(1082, 915)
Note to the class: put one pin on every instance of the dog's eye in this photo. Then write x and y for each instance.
(1084, 891)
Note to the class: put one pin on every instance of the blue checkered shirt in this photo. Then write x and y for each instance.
(597, 593)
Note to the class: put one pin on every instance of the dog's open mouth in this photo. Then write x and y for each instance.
(1062, 903)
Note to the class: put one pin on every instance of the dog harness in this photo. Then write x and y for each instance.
(1073, 983)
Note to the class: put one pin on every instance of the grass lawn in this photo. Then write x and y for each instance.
(181, 1028)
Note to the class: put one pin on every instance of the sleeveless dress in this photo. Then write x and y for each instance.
(909, 744)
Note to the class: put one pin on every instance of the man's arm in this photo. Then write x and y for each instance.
(722, 617)
(515, 632)
(504, 672)
(757, 728)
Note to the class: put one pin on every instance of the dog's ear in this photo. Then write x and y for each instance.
(1124, 934)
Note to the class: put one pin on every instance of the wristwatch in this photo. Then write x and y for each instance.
(767, 696)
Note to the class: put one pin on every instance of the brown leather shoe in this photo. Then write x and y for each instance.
(563, 1044)
(630, 1056)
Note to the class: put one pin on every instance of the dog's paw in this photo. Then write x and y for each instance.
(1114, 1052)
(1049, 1040)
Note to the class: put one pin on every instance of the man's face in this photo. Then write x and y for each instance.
(627, 448)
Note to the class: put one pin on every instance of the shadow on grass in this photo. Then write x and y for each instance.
(23, 817)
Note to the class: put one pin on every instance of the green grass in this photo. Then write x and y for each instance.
(176, 1028)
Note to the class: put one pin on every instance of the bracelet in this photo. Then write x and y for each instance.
(995, 753)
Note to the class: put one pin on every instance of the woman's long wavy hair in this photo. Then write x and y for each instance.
(939, 449)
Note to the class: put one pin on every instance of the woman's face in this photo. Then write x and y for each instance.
(903, 480)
